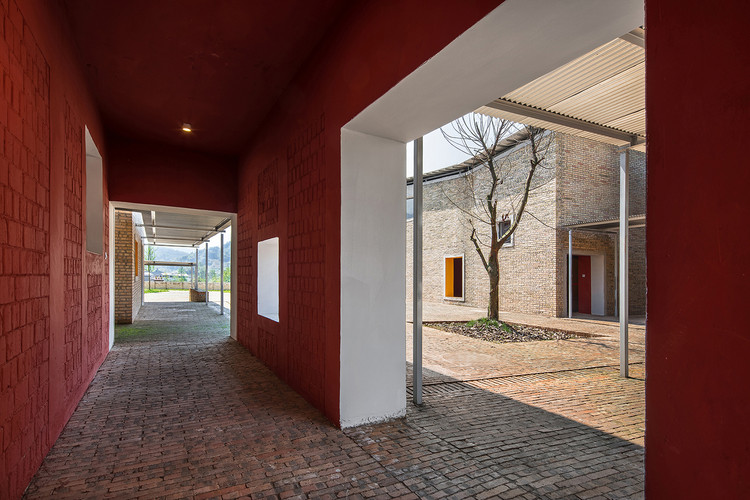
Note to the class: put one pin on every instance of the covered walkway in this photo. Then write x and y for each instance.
(179, 409)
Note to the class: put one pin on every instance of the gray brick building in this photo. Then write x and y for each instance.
(579, 183)
(127, 267)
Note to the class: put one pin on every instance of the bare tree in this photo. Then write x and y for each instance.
(497, 200)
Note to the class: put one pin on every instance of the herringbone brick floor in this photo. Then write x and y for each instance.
(179, 410)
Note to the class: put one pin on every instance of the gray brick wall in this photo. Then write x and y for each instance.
(588, 187)
(127, 277)
(580, 182)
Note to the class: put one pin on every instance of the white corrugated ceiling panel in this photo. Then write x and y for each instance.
(605, 87)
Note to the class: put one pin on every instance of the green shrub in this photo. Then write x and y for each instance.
(483, 323)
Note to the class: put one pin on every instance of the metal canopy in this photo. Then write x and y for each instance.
(600, 95)
(163, 227)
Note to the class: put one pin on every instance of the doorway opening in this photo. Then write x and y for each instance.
(177, 258)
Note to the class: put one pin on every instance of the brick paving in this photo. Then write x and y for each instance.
(448, 356)
(179, 410)
(184, 296)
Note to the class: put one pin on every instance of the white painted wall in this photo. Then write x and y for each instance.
(373, 270)
(268, 278)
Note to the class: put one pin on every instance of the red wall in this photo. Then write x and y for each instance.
(158, 174)
(53, 294)
(370, 49)
(698, 247)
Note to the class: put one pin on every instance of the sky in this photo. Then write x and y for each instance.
(216, 240)
(438, 153)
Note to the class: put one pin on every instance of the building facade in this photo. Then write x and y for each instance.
(577, 183)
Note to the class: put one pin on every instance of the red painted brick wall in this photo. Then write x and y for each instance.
(73, 253)
(697, 242)
(48, 350)
(370, 49)
(24, 247)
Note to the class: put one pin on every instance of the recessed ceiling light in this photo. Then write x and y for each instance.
(186, 127)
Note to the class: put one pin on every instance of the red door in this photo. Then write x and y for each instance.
(584, 284)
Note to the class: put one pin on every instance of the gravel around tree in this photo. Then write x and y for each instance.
(494, 331)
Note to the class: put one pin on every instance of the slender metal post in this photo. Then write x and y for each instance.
(570, 273)
(195, 280)
(417, 282)
(617, 274)
(206, 273)
(221, 275)
(143, 278)
(624, 209)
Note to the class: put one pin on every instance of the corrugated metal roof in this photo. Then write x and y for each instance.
(163, 227)
(605, 87)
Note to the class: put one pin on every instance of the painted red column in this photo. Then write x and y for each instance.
(698, 335)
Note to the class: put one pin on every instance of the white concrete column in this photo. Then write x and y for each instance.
(373, 289)
(623, 289)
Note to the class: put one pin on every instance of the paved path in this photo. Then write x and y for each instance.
(184, 296)
(178, 410)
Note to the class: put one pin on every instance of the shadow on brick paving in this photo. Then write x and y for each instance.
(180, 410)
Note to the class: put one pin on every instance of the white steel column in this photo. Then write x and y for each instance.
(221, 275)
(195, 274)
(143, 267)
(206, 273)
(617, 285)
(417, 277)
(624, 209)
(570, 273)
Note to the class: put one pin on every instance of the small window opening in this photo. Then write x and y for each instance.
(268, 278)
(503, 227)
(94, 198)
(454, 277)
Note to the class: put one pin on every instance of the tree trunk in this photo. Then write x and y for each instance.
(493, 309)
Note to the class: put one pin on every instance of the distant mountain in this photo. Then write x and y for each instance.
(173, 254)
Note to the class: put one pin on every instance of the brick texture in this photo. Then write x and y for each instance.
(580, 183)
(24, 252)
(220, 425)
(589, 190)
(285, 199)
(305, 258)
(268, 195)
(127, 282)
(73, 253)
(42, 371)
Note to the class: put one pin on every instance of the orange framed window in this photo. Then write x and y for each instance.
(454, 277)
